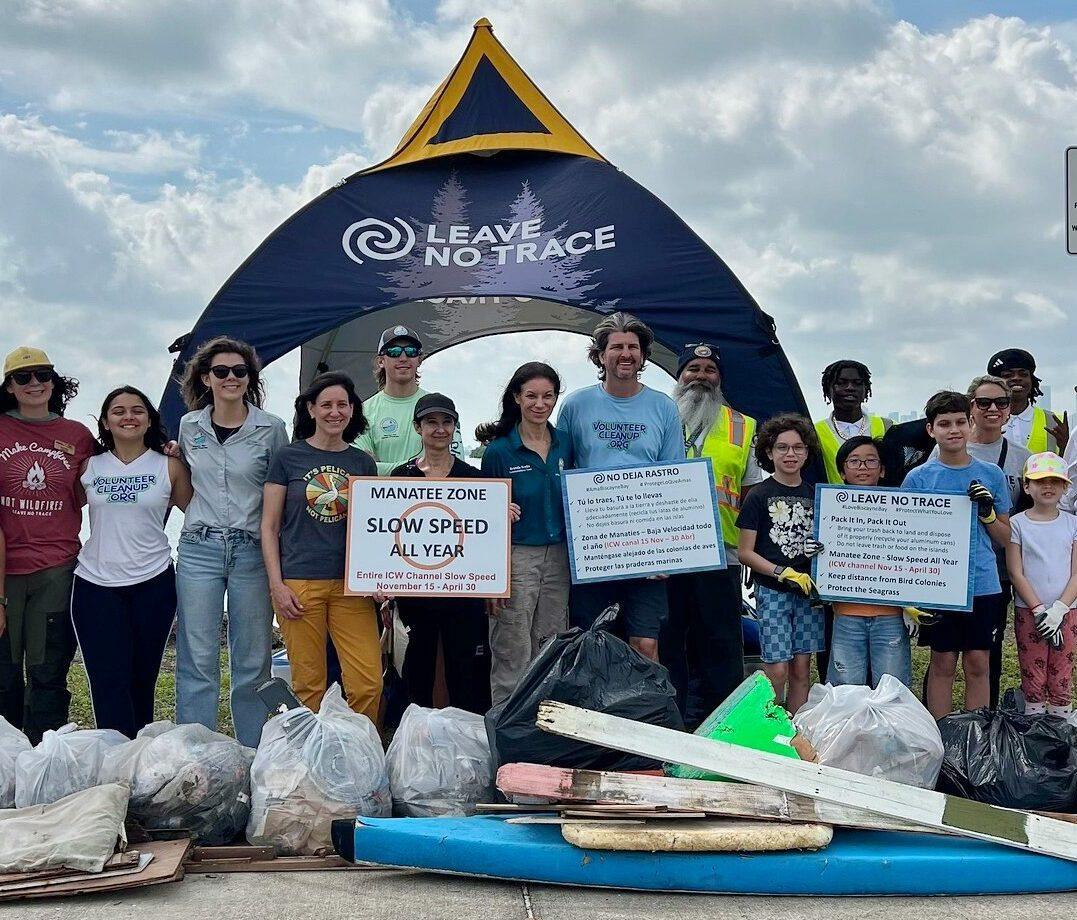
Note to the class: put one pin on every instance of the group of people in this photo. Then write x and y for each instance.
(265, 520)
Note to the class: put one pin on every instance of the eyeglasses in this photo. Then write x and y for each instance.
(395, 351)
(790, 449)
(24, 377)
(872, 463)
(221, 371)
(986, 402)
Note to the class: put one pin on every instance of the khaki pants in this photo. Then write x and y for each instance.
(536, 611)
(353, 626)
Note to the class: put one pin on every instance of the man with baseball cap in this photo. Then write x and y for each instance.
(391, 438)
(1029, 426)
(701, 642)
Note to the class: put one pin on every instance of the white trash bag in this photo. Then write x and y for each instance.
(312, 769)
(440, 763)
(185, 778)
(12, 743)
(67, 760)
(885, 732)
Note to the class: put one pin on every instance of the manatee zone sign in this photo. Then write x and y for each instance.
(412, 536)
(896, 547)
(635, 521)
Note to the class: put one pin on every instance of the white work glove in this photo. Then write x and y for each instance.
(812, 547)
(914, 618)
(1049, 622)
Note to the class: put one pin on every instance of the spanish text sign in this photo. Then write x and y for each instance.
(428, 536)
(890, 546)
(635, 521)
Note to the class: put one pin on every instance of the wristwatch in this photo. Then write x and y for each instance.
(778, 569)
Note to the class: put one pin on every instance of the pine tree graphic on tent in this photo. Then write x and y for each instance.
(558, 276)
(411, 278)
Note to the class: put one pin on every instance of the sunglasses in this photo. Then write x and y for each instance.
(24, 377)
(221, 371)
(395, 351)
(986, 402)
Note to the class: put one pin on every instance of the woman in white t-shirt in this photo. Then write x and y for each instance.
(124, 596)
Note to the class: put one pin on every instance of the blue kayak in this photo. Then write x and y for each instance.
(856, 863)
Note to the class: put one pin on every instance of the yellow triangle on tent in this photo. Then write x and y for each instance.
(486, 104)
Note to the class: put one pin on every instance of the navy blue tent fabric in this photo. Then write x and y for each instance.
(549, 226)
(488, 106)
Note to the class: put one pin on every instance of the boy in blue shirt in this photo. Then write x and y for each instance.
(621, 422)
(957, 632)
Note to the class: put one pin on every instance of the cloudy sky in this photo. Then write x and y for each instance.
(885, 177)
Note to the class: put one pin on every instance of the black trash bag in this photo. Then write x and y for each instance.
(1010, 759)
(593, 669)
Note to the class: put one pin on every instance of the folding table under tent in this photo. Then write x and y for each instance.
(493, 215)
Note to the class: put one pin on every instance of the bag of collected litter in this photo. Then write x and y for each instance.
(311, 770)
(12, 743)
(885, 732)
(185, 778)
(67, 760)
(77, 832)
(1010, 759)
(440, 763)
(593, 669)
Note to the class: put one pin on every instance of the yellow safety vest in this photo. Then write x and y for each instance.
(829, 443)
(1037, 437)
(727, 446)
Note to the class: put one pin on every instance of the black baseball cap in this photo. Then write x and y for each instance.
(398, 332)
(698, 350)
(435, 402)
(1011, 357)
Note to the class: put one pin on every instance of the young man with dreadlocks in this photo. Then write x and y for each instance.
(846, 386)
(1029, 425)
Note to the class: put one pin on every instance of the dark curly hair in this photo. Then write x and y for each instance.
(830, 375)
(510, 411)
(155, 437)
(772, 428)
(64, 389)
(304, 425)
(196, 395)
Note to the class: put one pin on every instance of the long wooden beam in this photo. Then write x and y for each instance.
(1021, 830)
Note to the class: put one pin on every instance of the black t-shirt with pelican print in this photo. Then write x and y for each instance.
(783, 517)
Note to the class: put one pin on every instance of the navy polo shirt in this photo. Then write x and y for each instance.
(536, 485)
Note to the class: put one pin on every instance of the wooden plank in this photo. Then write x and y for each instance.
(733, 800)
(118, 861)
(1009, 827)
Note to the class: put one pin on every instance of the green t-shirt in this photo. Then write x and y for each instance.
(390, 437)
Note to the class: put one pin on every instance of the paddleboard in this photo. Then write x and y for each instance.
(856, 862)
(719, 835)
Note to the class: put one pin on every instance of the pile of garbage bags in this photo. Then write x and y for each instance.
(1010, 759)
(67, 760)
(185, 778)
(311, 769)
(885, 732)
(12, 743)
(440, 763)
(593, 669)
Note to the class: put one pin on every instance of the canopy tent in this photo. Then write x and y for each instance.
(492, 215)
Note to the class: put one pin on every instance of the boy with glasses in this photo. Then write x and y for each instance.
(968, 634)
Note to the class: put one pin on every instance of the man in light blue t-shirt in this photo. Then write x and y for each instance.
(970, 634)
(620, 422)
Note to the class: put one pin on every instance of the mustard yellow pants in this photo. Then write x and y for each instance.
(353, 625)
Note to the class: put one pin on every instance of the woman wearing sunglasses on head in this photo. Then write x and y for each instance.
(41, 454)
(124, 597)
(227, 440)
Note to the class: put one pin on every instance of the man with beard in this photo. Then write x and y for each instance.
(701, 644)
(620, 422)
(847, 386)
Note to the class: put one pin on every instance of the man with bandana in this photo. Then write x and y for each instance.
(701, 642)
(1029, 426)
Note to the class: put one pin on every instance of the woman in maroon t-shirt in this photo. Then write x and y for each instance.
(41, 453)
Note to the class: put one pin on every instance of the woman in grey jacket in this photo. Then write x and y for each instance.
(227, 440)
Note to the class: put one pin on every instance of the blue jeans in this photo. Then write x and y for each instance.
(864, 646)
(211, 562)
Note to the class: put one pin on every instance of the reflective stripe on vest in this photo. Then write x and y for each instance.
(727, 446)
(829, 444)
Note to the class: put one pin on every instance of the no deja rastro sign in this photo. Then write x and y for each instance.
(428, 536)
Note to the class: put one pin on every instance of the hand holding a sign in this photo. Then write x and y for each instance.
(812, 547)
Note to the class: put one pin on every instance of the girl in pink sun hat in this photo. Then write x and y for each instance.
(1042, 559)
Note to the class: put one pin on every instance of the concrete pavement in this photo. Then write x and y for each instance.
(386, 895)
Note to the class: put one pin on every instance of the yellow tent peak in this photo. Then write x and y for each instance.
(487, 104)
